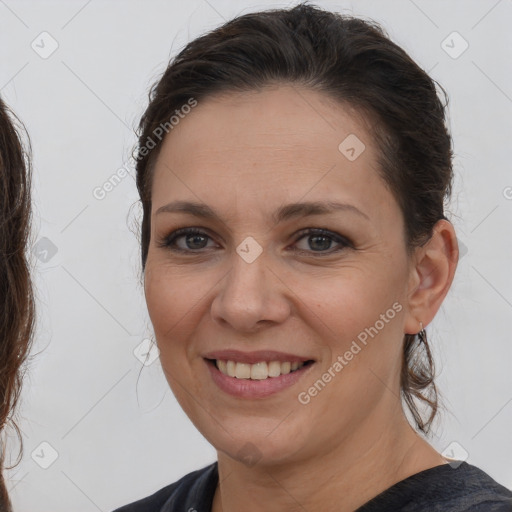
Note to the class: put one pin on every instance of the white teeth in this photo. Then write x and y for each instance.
(274, 369)
(223, 366)
(243, 371)
(258, 371)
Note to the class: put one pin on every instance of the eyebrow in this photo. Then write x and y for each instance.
(286, 212)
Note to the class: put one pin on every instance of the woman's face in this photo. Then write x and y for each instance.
(258, 284)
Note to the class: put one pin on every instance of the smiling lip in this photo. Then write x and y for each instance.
(253, 389)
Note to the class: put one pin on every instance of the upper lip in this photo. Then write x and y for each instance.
(255, 357)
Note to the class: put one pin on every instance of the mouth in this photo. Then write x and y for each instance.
(259, 371)
(256, 374)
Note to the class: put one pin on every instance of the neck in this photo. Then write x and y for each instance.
(342, 479)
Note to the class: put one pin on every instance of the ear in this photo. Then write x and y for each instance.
(431, 276)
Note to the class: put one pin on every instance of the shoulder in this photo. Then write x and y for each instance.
(193, 491)
(460, 488)
(484, 489)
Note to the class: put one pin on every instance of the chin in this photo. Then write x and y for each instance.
(261, 441)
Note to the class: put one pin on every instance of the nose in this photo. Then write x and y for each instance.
(251, 295)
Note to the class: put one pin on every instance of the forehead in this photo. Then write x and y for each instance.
(280, 116)
(263, 147)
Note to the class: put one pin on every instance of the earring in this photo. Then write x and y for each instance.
(422, 335)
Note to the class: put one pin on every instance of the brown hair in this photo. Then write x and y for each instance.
(17, 307)
(353, 61)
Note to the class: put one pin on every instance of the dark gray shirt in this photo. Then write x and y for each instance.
(464, 488)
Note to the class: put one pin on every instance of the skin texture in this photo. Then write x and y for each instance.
(245, 155)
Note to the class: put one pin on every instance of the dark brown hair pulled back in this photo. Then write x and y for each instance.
(353, 61)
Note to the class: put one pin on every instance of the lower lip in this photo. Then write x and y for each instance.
(248, 388)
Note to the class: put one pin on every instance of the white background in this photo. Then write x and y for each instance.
(115, 425)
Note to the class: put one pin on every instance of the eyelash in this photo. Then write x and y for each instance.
(169, 241)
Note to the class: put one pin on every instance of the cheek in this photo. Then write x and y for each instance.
(365, 332)
(158, 294)
(169, 299)
(175, 298)
(362, 311)
(352, 299)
